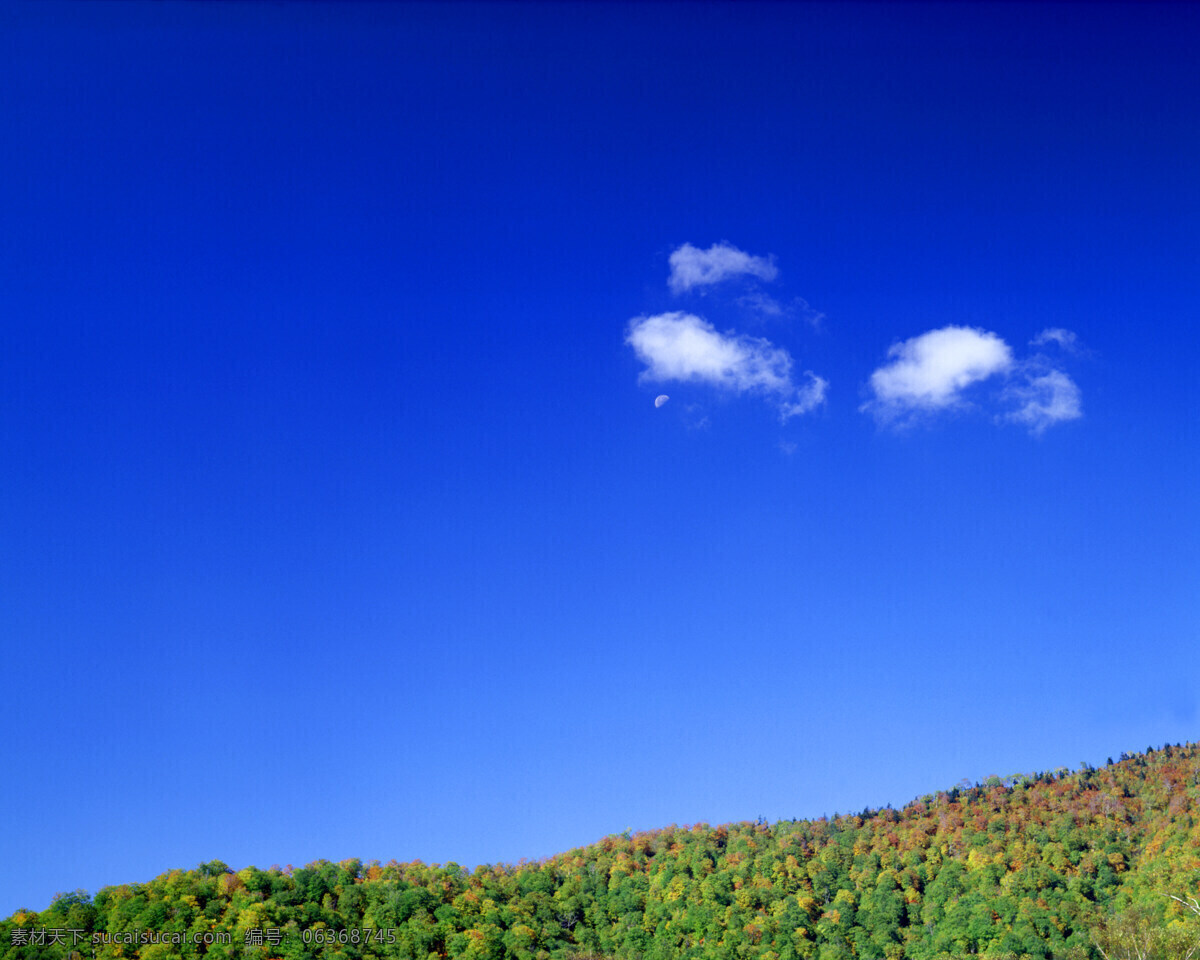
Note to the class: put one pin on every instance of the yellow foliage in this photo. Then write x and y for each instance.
(524, 933)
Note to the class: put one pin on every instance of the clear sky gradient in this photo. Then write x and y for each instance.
(336, 515)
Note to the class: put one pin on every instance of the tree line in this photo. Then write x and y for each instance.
(1096, 863)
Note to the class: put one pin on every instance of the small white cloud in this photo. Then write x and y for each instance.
(759, 302)
(929, 372)
(808, 397)
(1064, 338)
(682, 346)
(767, 306)
(1046, 398)
(811, 316)
(693, 267)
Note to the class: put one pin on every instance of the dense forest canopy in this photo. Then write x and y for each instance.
(1040, 865)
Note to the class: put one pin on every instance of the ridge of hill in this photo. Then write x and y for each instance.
(1024, 866)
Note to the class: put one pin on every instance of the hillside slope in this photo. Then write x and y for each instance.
(1023, 866)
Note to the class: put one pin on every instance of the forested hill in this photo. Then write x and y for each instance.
(1024, 865)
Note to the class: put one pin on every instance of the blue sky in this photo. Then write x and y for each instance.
(337, 517)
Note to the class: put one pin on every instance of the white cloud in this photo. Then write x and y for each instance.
(759, 302)
(929, 372)
(1046, 398)
(808, 397)
(682, 346)
(1064, 338)
(810, 315)
(693, 267)
(767, 306)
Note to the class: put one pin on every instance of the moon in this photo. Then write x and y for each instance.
(660, 400)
